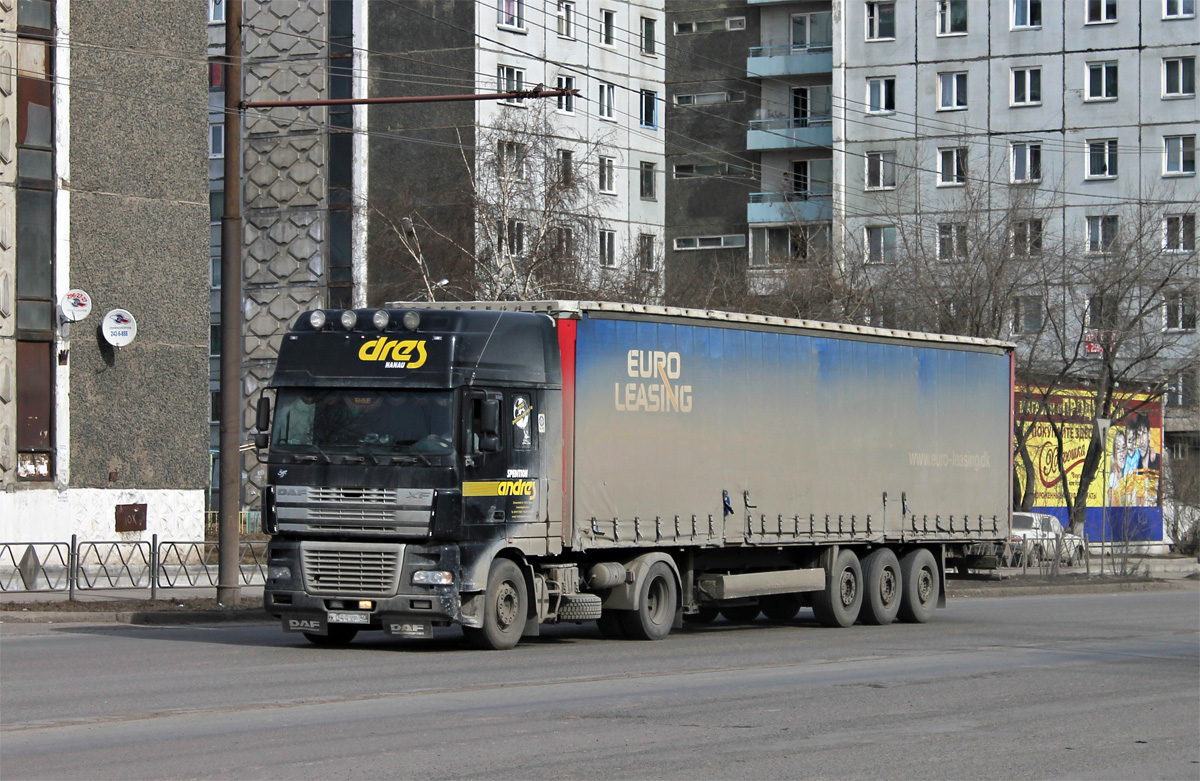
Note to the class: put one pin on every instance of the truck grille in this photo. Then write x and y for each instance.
(355, 511)
(351, 570)
(359, 495)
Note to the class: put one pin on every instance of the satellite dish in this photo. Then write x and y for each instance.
(119, 328)
(75, 306)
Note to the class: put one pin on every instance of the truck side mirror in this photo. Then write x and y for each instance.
(489, 419)
(263, 421)
(489, 444)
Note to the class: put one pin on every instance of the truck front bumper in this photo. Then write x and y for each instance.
(313, 585)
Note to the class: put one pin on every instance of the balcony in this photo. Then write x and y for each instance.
(765, 134)
(801, 60)
(798, 206)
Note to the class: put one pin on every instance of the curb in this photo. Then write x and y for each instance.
(1043, 589)
(144, 618)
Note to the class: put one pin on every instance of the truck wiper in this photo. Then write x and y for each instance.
(312, 457)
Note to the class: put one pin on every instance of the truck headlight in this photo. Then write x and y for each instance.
(279, 572)
(432, 577)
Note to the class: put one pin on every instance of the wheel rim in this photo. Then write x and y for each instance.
(656, 600)
(924, 585)
(848, 588)
(889, 590)
(507, 605)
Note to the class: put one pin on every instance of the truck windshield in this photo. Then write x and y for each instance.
(363, 421)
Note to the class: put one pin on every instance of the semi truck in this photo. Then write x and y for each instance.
(501, 466)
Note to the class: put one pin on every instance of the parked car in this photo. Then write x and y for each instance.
(1035, 537)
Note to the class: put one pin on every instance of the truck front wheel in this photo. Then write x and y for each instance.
(339, 634)
(506, 606)
(838, 604)
(657, 599)
(921, 586)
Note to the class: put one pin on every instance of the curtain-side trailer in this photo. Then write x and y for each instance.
(504, 465)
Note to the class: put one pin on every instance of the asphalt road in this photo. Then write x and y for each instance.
(1094, 686)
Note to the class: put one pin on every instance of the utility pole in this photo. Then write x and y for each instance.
(230, 472)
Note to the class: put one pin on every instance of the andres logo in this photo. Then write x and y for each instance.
(655, 387)
(407, 354)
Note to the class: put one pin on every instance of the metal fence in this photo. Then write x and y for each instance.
(83, 565)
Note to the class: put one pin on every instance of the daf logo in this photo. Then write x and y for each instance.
(301, 623)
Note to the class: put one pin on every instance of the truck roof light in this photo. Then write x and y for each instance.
(380, 319)
(412, 320)
(317, 320)
(349, 319)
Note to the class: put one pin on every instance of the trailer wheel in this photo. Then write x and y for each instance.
(339, 634)
(610, 625)
(882, 587)
(780, 607)
(838, 604)
(740, 614)
(657, 598)
(921, 586)
(505, 608)
(703, 615)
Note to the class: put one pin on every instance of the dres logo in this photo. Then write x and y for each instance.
(407, 354)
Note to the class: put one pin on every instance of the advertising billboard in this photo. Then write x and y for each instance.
(1124, 501)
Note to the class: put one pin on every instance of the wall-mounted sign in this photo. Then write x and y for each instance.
(119, 328)
(75, 305)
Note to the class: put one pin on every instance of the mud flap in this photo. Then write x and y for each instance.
(313, 624)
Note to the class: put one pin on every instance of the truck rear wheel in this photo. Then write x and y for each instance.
(657, 599)
(838, 604)
(780, 607)
(921, 586)
(505, 608)
(882, 587)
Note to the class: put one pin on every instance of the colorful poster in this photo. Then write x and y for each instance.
(1128, 480)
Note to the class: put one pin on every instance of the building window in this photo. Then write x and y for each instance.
(566, 19)
(1102, 81)
(510, 160)
(648, 28)
(608, 99)
(952, 241)
(608, 248)
(1179, 233)
(710, 98)
(564, 242)
(881, 170)
(566, 167)
(216, 139)
(645, 251)
(881, 244)
(511, 13)
(648, 112)
(1181, 390)
(952, 17)
(1101, 11)
(812, 32)
(510, 79)
(795, 244)
(1179, 77)
(1027, 238)
(1179, 311)
(216, 76)
(1029, 315)
(606, 168)
(710, 242)
(1102, 233)
(566, 103)
(515, 230)
(881, 21)
(1179, 155)
(608, 26)
(648, 179)
(952, 166)
(1102, 159)
(1026, 14)
(952, 91)
(214, 335)
(1026, 86)
(881, 95)
(216, 11)
(1101, 312)
(1026, 162)
(1179, 9)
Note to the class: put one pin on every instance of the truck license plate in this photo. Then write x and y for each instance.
(348, 618)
